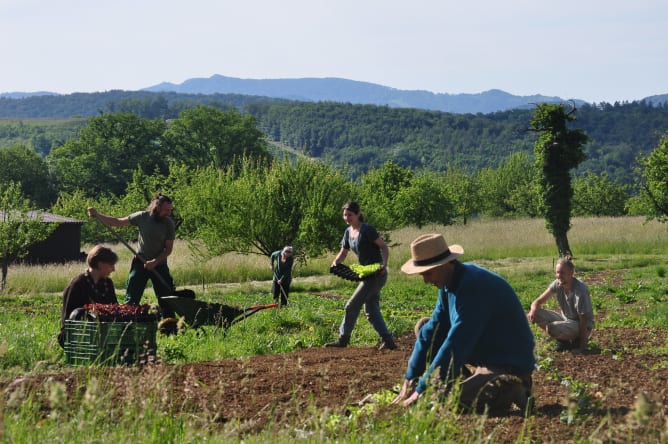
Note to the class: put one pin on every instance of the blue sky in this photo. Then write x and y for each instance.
(595, 50)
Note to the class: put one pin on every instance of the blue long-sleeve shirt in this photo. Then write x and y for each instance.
(478, 320)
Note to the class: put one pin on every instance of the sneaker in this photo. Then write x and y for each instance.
(387, 344)
(339, 343)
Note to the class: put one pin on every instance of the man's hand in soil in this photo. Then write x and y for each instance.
(407, 394)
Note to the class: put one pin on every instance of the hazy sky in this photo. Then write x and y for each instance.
(595, 50)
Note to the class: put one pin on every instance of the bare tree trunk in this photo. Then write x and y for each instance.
(562, 245)
(3, 280)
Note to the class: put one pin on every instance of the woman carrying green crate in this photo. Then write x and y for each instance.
(370, 248)
(93, 286)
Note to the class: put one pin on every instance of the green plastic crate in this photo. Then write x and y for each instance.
(109, 343)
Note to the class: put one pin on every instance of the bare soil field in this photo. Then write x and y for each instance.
(611, 391)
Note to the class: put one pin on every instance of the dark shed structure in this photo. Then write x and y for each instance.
(63, 245)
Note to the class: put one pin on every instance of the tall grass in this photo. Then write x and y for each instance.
(491, 241)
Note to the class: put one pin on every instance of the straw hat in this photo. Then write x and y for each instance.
(429, 251)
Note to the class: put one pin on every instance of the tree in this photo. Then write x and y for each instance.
(424, 202)
(379, 188)
(510, 189)
(23, 165)
(74, 205)
(259, 207)
(204, 136)
(557, 151)
(462, 190)
(654, 181)
(595, 195)
(19, 227)
(106, 153)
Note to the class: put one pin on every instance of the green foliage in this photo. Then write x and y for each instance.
(595, 195)
(359, 137)
(19, 227)
(463, 191)
(365, 270)
(204, 136)
(260, 207)
(425, 201)
(23, 165)
(378, 191)
(76, 203)
(39, 134)
(557, 151)
(85, 410)
(102, 159)
(654, 181)
(511, 190)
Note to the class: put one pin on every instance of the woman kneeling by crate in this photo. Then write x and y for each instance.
(90, 287)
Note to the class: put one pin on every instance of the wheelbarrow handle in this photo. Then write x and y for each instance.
(250, 311)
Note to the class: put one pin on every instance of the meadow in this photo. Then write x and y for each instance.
(622, 259)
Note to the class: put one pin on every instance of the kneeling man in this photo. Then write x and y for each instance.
(478, 321)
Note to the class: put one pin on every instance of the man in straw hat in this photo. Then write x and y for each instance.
(478, 321)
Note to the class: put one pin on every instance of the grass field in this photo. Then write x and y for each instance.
(520, 250)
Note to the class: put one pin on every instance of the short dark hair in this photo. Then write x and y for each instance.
(100, 253)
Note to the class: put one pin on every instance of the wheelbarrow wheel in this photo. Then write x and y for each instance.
(168, 326)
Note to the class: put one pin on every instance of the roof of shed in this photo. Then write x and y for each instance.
(48, 217)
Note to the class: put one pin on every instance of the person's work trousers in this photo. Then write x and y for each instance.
(280, 291)
(557, 325)
(497, 389)
(366, 294)
(138, 278)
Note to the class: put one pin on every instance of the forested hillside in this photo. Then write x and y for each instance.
(365, 136)
(146, 104)
(361, 137)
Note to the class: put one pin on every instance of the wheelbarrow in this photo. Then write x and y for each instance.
(199, 313)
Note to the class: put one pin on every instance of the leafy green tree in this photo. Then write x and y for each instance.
(424, 202)
(204, 136)
(557, 151)
(258, 207)
(75, 204)
(462, 190)
(654, 181)
(20, 227)
(106, 153)
(138, 195)
(596, 195)
(379, 189)
(23, 165)
(509, 190)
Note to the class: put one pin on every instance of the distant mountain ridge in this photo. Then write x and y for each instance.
(23, 95)
(328, 89)
(333, 89)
